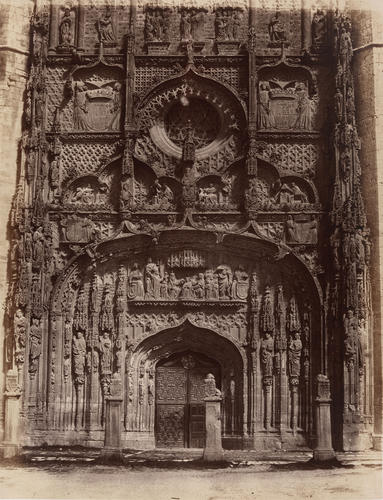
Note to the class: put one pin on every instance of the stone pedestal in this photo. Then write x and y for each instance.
(11, 444)
(323, 449)
(112, 443)
(213, 448)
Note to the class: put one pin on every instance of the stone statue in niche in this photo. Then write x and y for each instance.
(192, 24)
(305, 108)
(277, 30)
(106, 354)
(157, 24)
(185, 27)
(105, 29)
(266, 118)
(115, 108)
(152, 280)
(227, 23)
(78, 357)
(66, 29)
(135, 283)
(350, 322)
(80, 111)
(294, 355)
(35, 336)
(38, 247)
(267, 354)
(318, 28)
(224, 281)
(20, 326)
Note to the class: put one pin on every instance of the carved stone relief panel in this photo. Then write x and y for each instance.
(94, 101)
(286, 105)
(277, 23)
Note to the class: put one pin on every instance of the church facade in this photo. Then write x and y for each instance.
(189, 201)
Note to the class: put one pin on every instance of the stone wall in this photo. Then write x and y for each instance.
(14, 51)
(368, 60)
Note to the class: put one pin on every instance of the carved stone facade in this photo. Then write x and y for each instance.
(173, 219)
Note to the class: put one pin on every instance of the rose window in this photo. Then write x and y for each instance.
(193, 114)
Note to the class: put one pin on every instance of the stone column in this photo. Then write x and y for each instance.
(112, 444)
(323, 449)
(213, 451)
(11, 444)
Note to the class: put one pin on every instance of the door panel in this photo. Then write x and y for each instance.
(196, 425)
(180, 407)
(171, 399)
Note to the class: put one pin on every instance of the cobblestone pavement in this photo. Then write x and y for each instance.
(181, 475)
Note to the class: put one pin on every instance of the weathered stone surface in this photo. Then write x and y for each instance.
(173, 217)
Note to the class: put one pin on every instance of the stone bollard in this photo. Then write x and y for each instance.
(112, 444)
(323, 449)
(213, 448)
(11, 445)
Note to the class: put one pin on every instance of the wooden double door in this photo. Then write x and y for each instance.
(180, 392)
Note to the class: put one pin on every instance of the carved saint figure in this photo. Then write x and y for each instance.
(173, 286)
(152, 280)
(106, 356)
(266, 117)
(267, 355)
(185, 25)
(135, 283)
(107, 317)
(116, 107)
(220, 25)
(211, 286)
(291, 230)
(224, 282)
(164, 294)
(34, 345)
(80, 111)
(294, 355)
(237, 19)
(38, 246)
(199, 286)
(197, 18)
(105, 28)
(276, 29)
(304, 117)
(65, 30)
(318, 27)
(78, 356)
(350, 323)
(187, 289)
(20, 325)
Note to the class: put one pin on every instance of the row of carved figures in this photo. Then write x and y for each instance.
(228, 21)
(220, 284)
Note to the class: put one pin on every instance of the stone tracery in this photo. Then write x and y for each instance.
(119, 180)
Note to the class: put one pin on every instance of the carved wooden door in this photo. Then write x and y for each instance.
(180, 409)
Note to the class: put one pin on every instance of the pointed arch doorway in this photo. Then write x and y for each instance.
(180, 392)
